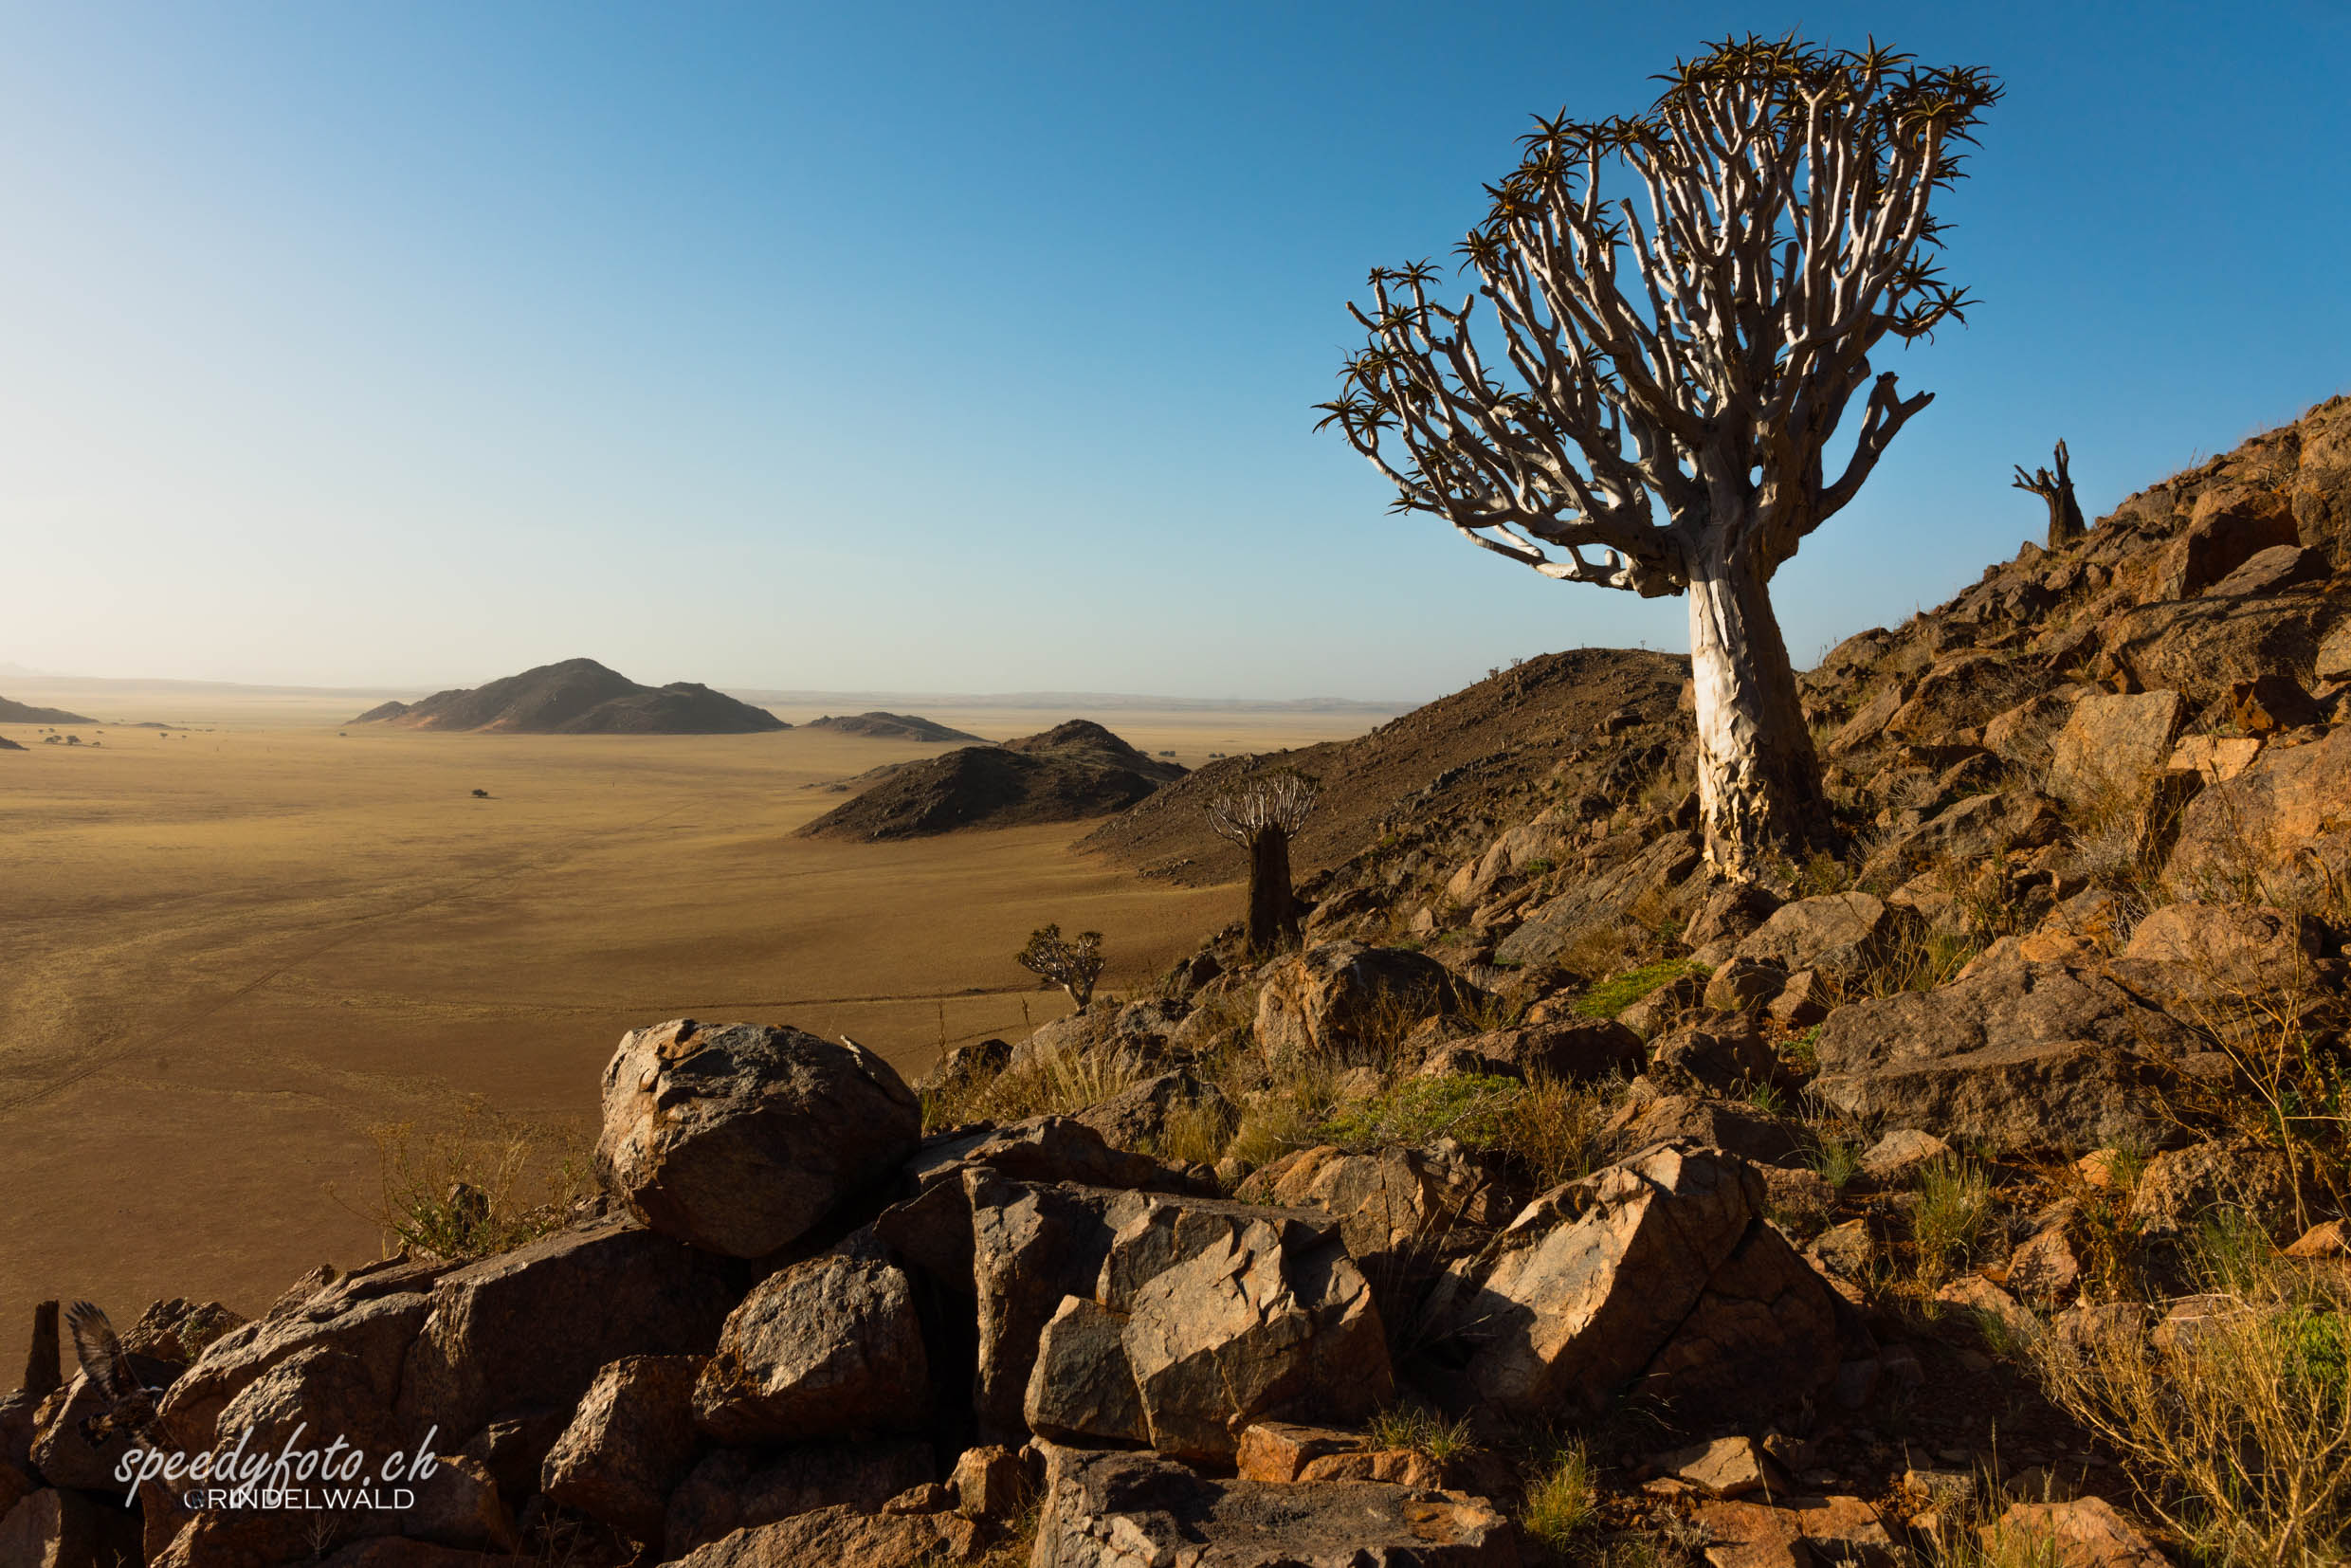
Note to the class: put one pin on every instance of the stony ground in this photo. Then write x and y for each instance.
(1968, 1191)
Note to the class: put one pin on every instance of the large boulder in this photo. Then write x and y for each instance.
(373, 1315)
(2020, 1055)
(931, 1225)
(1838, 935)
(2182, 1189)
(742, 1488)
(2202, 646)
(737, 1138)
(1401, 1212)
(531, 1328)
(61, 1529)
(1224, 1314)
(2210, 958)
(1345, 1002)
(845, 1538)
(2257, 832)
(1123, 1510)
(2232, 523)
(2113, 743)
(1649, 1117)
(1601, 899)
(1661, 1274)
(629, 1443)
(821, 1349)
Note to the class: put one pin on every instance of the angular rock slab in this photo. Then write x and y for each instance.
(1123, 1510)
(737, 1138)
(733, 1489)
(1658, 1272)
(1342, 1001)
(844, 1538)
(531, 1328)
(2023, 1055)
(1206, 1316)
(629, 1443)
(821, 1349)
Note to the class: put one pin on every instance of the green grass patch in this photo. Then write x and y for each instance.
(1472, 1107)
(1619, 991)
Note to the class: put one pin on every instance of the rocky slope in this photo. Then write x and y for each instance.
(1550, 1204)
(578, 697)
(890, 726)
(1067, 773)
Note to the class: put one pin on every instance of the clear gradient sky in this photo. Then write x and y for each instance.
(970, 347)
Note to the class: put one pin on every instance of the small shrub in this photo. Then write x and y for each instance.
(1948, 1221)
(1563, 1502)
(1552, 1128)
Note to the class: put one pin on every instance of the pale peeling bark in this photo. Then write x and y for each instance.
(1672, 369)
(1758, 781)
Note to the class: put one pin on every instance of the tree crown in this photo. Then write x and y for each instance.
(1784, 230)
(1279, 797)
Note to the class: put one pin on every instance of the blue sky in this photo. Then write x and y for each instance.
(972, 347)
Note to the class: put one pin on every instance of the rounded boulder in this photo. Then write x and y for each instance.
(737, 1139)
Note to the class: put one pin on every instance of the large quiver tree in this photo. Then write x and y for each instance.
(1672, 373)
(1259, 813)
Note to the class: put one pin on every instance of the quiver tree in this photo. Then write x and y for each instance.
(1074, 965)
(1260, 814)
(1671, 372)
(2064, 513)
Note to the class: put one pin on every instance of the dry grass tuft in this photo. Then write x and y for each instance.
(468, 1191)
(2239, 1432)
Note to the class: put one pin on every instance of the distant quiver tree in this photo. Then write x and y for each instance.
(1672, 371)
(1074, 965)
(1260, 814)
(2056, 492)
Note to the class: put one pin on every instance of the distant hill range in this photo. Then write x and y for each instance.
(1070, 772)
(24, 712)
(891, 726)
(578, 697)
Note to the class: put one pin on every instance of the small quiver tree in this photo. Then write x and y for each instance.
(1073, 965)
(2064, 513)
(1260, 814)
(1692, 355)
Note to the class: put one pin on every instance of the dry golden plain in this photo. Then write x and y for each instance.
(232, 950)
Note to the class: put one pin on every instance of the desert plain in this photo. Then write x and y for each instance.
(232, 953)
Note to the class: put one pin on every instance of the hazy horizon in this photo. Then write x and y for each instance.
(903, 348)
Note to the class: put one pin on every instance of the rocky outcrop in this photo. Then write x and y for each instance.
(1602, 899)
(1659, 1273)
(1836, 934)
(1343, 1002)
(1115, 1510)
(733, 1489)
(2024, 1055)
(530, 1329)
(1224, 1314)
(737, 1138)
(822, 1349)
(629, 1445)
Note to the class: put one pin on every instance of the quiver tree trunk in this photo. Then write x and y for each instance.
(1759, 780)
(1273, 907)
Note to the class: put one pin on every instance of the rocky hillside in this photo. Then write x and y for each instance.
(1972, 1193)
(1067, 773)
(25, 713)
(578, 697)
(890, 726)
(1478, 754)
